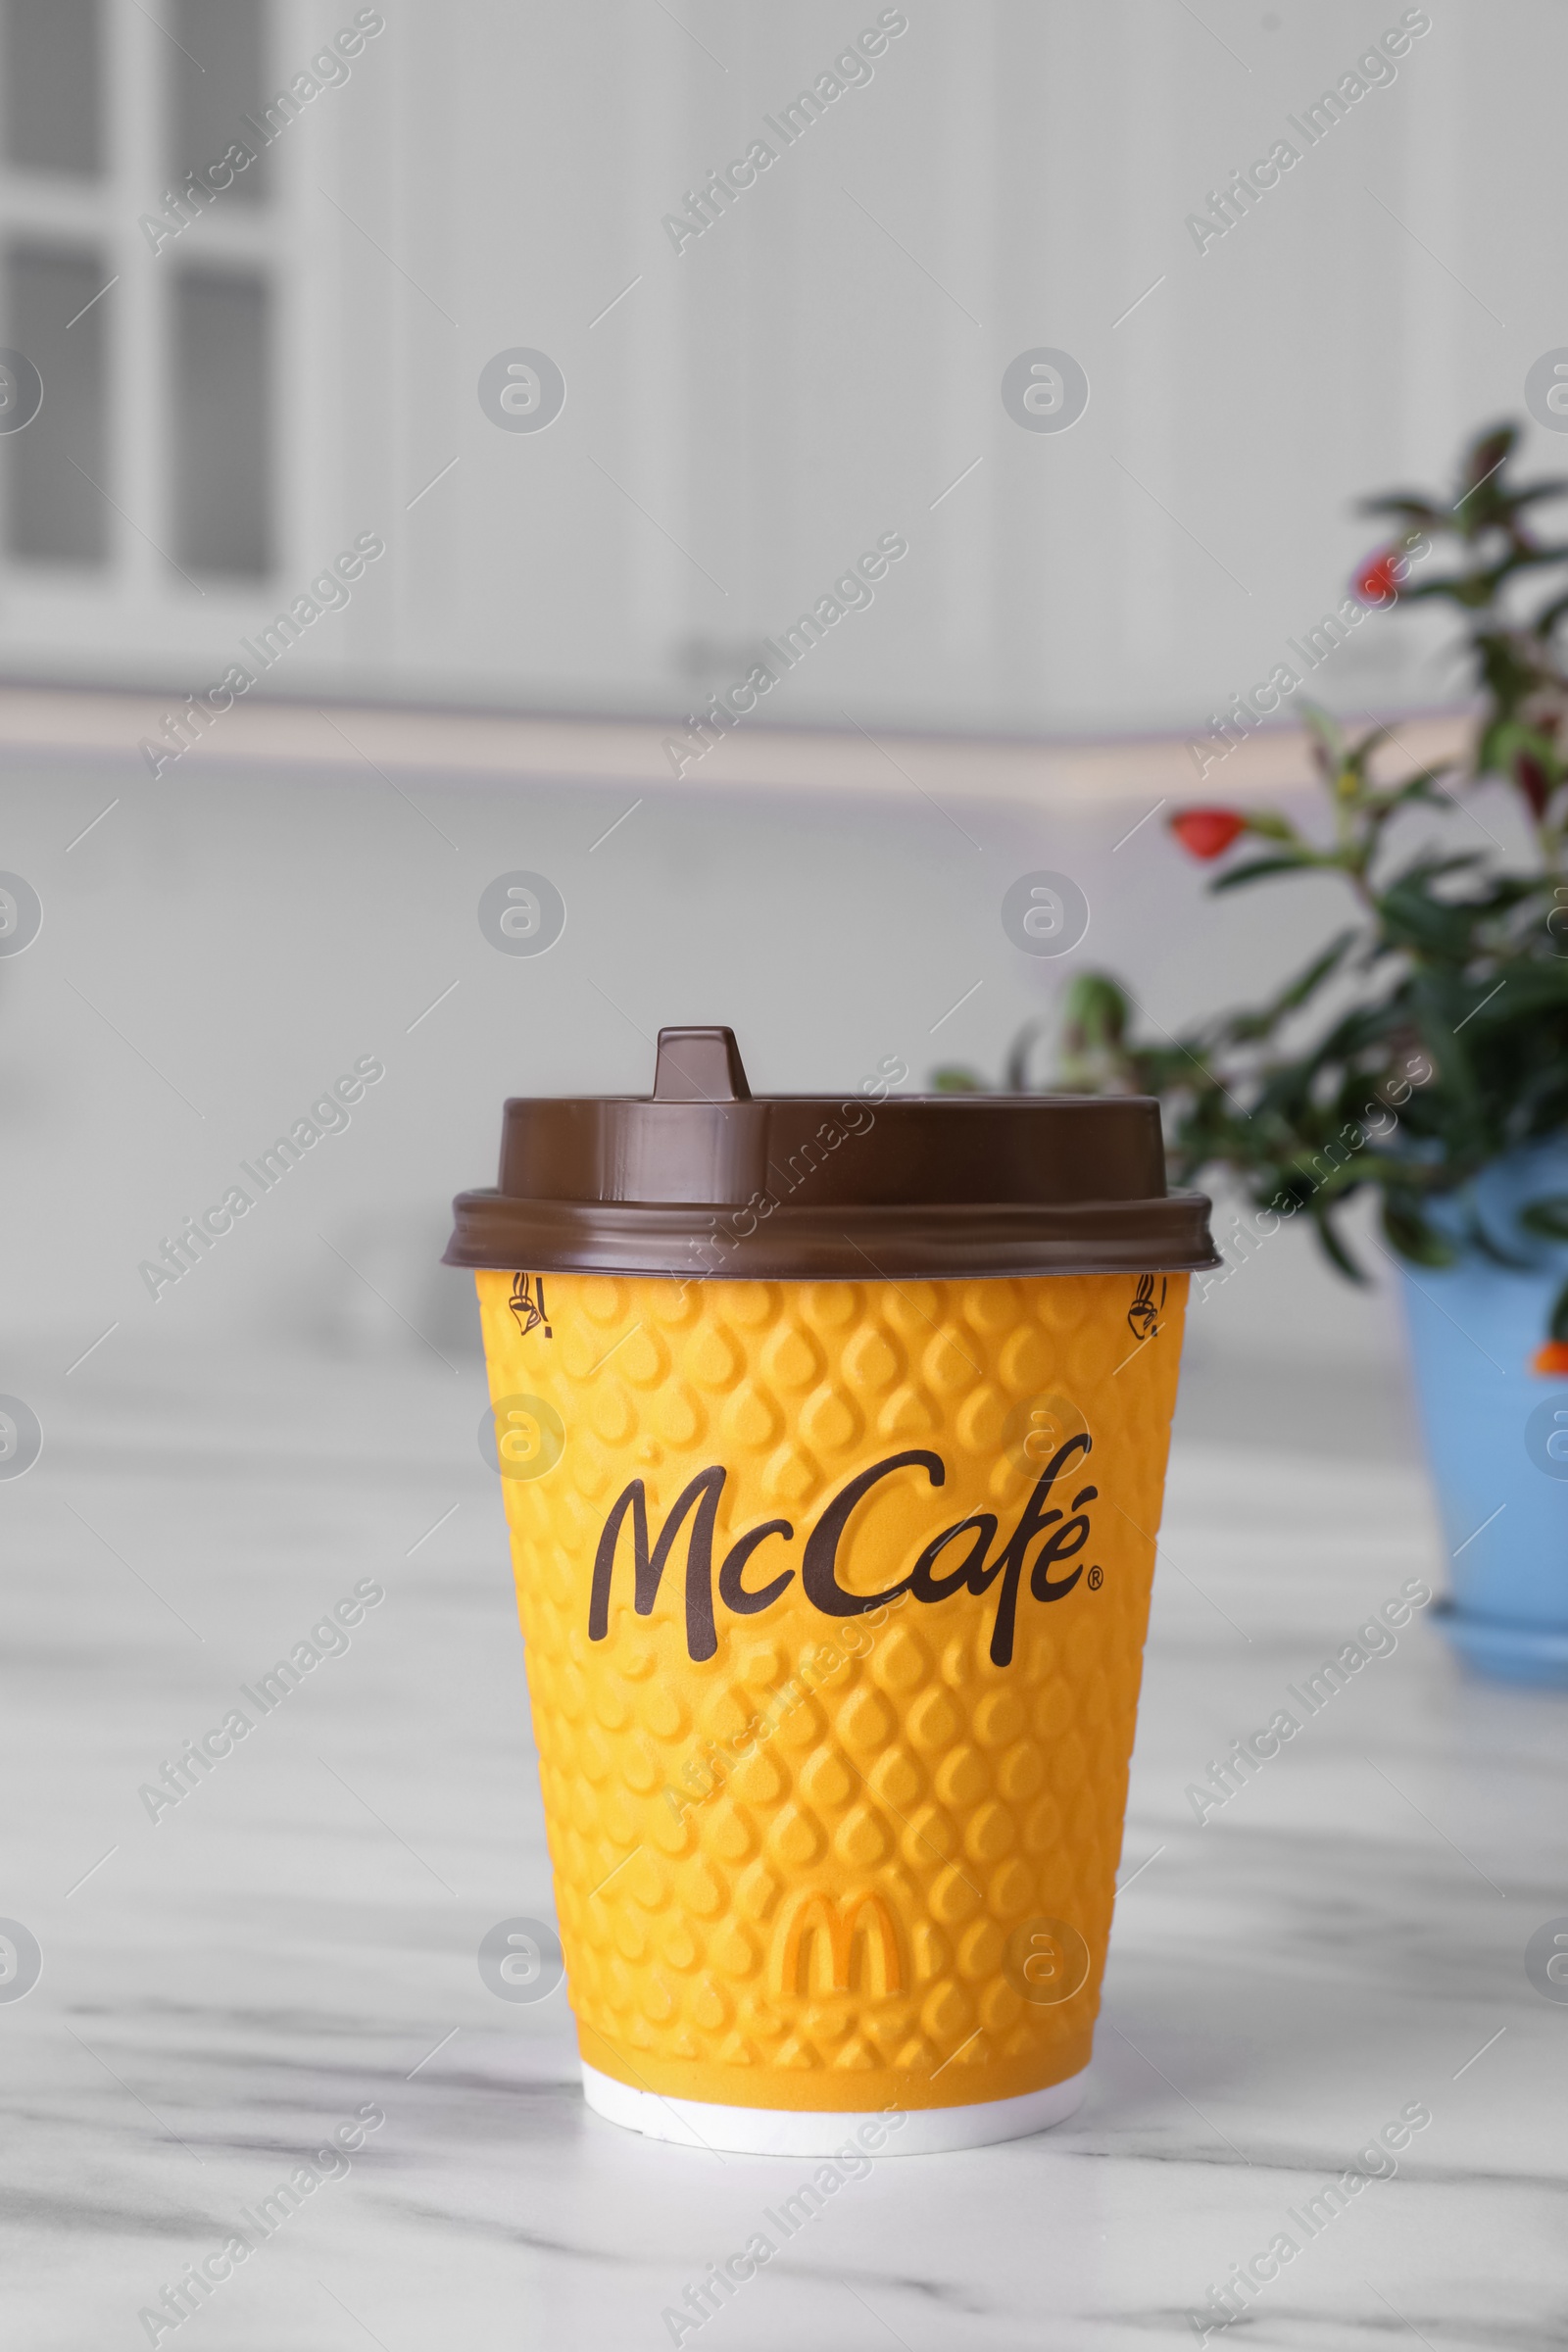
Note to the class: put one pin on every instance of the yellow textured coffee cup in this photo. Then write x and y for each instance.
(804, 1858)
(833, 1445)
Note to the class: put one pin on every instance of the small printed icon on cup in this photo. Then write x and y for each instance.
(1547, 390)
(522, 390)
(521, 913)
(1046, 1961)
(1546, 1960)
(21, 1960)
(1546, 1436)
(21, 391)
(522, 1437)
(519, 1960)
(1044, 390)
(1045, 914)
(21, 1438)
(21, 914)
(1142, 1316)
(1037, 1428)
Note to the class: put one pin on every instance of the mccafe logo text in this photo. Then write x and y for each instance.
(1052, 1533)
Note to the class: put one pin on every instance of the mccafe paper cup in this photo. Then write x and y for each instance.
(832, 1440)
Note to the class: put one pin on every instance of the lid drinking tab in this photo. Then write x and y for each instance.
(699, 1066)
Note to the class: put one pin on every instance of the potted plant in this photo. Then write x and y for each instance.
(1423, 1055)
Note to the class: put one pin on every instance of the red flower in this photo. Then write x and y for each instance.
(1550, 1360)
(1375, 583)
(1533, 781)
(1207, 832)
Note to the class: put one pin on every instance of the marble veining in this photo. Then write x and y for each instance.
(295, 1940)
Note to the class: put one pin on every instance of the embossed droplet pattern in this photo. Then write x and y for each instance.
(787, 1876)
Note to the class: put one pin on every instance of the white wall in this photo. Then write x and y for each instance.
(220, 947)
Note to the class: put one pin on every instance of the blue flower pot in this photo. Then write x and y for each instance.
(1496, 1432)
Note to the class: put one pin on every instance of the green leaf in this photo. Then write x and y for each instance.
(1248, 1027)
(1328, 743)
(1493, 746)
(1557, 1328)
(1409, 1232)
(1015, 1075)
(1335, 1249)
(1547, 1217)
(1284, 862)
(1434, 927)
(1547, 617)
(1272, 827)
(1467, 588)
(1549, 486)
(1425, 787)
(1501, 743)
(1362, 751)
(1411, 505)
(1487, 456)
(1486, 1246)
(953, 1079)
(1095, 1005)
(1315, 974)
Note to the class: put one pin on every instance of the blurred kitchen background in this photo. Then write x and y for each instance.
(243, 378)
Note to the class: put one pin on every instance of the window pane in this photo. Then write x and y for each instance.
(218, 73)
(54, 510)
(222, 463)
(52, 71)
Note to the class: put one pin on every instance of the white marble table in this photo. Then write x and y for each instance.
(297, 1939)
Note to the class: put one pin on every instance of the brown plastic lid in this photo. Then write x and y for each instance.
(703, 1178)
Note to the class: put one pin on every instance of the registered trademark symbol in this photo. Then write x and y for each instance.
(1097, 1577)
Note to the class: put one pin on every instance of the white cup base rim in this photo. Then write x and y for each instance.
(793, 2132)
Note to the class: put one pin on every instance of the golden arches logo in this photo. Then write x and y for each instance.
(821, 1927)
